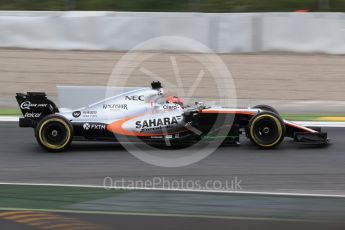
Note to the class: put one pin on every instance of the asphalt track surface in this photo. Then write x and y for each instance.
(290, 168)
(182, 210)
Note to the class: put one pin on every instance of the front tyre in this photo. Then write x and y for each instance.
(266, 108)
(54, 133)
(266, 130)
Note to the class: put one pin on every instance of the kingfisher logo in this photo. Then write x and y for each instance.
(115, 106)
(157, 122)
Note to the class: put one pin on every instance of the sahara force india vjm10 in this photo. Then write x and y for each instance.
(146, 115)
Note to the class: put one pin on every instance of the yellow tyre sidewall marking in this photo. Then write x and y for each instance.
(51, 146)
(331, 119)
(280, 130)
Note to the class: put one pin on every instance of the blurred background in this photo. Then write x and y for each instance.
(279, 52)
(285, 53)
(210, 6)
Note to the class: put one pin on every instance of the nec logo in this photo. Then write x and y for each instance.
(135, 98)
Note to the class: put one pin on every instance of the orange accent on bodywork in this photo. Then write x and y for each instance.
(299, 127)
(116, 127)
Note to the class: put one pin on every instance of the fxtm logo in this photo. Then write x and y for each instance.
(135, 98)
(76, 114)
(88, 126)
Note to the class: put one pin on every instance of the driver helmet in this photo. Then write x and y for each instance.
(174, 99)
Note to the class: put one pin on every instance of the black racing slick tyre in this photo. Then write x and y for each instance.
(266, 130)
(266, 108)
(54, 133)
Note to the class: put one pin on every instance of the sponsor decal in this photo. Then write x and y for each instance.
(135, 98)
(157, 123)
(89, 113)
(94, 126)
(171, 106)
(32, 115)
(86, 126)
(26, 105)
(115, 106)
(76, 114)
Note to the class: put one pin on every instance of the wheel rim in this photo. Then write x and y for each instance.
(266, 131)
(54, 134)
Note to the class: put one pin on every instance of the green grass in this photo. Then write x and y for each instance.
(10, 112)
(175, 5)
(49, 197)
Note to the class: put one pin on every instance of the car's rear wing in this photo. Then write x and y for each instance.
(34, 106)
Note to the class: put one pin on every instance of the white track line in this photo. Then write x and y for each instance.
(9, 118)
(294, 194)
(321, 124)
(303, 123)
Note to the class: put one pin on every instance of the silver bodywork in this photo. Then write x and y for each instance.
(143, 112)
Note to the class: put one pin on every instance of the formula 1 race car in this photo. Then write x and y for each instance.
(145, 115)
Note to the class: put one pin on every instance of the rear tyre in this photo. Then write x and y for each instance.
(54, 133)
(266, 130)
(266, 108)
